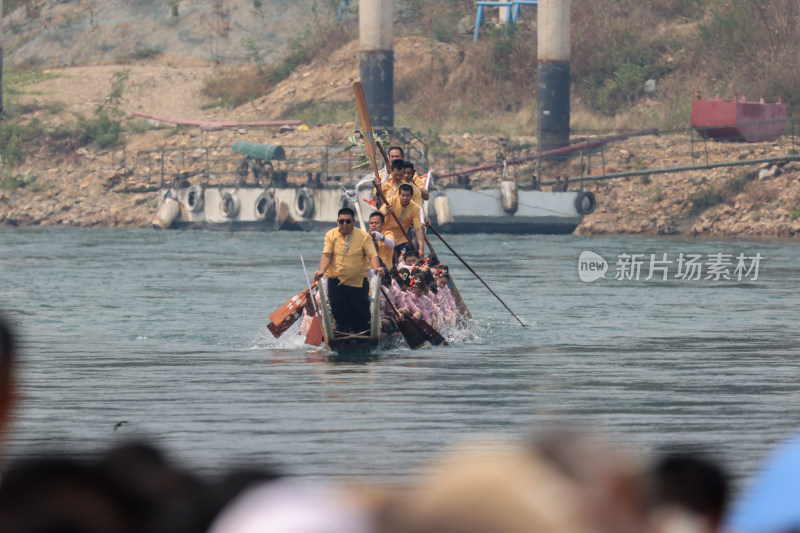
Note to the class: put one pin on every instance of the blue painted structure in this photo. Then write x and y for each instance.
(516, 9)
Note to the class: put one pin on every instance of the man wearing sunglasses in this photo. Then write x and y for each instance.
(347, 255)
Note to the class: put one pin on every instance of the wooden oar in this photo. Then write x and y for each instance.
(434, 337)
(283, 317)
(314, 333)
(475, 273)
(412, 332)
(383, 153)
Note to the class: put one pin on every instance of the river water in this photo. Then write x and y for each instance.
(167, 332)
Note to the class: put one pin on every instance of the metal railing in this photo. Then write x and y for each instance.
(315, 166)
(602, 157)
(591, 156)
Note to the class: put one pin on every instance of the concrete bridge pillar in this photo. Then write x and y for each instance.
(377, 59)
(552, 25)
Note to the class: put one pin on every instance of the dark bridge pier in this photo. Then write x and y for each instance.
(377, 59)
(552, 104)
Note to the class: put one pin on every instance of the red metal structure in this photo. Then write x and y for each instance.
(739, 120)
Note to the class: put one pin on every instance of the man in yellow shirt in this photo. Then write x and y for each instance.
(395, 153)
(384, 240)
(420, 190)
(346, 256)
(410, 215)
(391, 185)
(411, 177)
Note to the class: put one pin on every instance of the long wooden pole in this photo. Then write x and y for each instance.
(475, 273)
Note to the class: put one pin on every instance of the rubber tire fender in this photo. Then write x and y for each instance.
(585, 202)
(305, 203)
(229, 205)
(265, 207)
(194, 199)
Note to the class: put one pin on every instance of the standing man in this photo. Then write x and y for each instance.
(410, 215)
(395, 153)
(346, 256)
(384, 240)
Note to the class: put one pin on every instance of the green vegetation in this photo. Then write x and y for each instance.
(15, 80)
(147, 52)
(795, 213)
(15, 136)
(10, 5)
(104, 127)
(10, 181)
(20, 135)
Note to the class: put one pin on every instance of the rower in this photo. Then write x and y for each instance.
(384, 240)
(391, 185)
(410, 214)
(410, 259)
(412, 178)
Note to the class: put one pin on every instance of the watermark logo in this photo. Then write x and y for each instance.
(661, 267)
(591, 266)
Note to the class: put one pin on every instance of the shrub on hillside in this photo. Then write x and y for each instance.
(436, 19)
(15, 136)
(102, 129)
(234, 86)
(614, 51)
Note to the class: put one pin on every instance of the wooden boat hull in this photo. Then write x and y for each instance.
(349, 342)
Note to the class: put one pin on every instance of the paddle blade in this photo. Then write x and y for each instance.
(314, 334)
(433, 336)
(460, 305)
(282, 318)
(412, 333)
(363, 115)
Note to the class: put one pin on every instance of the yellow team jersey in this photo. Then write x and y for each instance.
(350, 256)
(389, 190)
(410, 216)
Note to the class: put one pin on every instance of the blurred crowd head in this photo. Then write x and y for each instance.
(7, 385)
